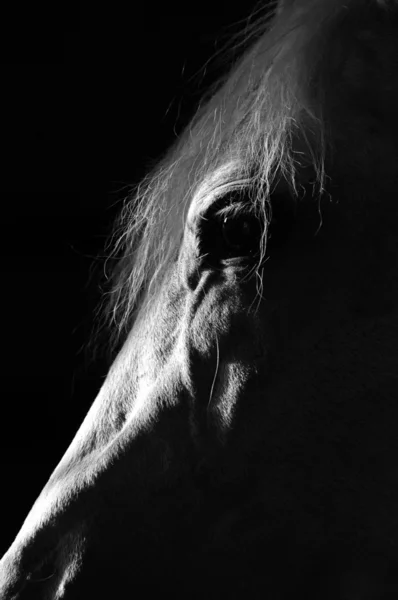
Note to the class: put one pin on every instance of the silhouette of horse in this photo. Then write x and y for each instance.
(244, 443)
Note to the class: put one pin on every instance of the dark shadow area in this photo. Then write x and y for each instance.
(90, 103)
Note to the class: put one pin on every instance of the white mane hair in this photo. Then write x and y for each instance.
(259, 107)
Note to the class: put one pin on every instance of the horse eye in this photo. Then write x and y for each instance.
(241, 235)
(225, 236)
(232, 229)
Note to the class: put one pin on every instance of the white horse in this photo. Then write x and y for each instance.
(244, 443)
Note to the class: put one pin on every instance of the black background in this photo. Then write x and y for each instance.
(88, 103)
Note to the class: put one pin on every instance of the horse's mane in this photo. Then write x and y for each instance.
(246, 127)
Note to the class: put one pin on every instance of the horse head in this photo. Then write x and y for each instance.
(244, 442)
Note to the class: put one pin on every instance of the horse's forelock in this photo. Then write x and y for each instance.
(251, 119)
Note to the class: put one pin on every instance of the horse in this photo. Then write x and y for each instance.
(244, 443)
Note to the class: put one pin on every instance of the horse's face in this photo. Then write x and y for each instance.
(245, 441)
